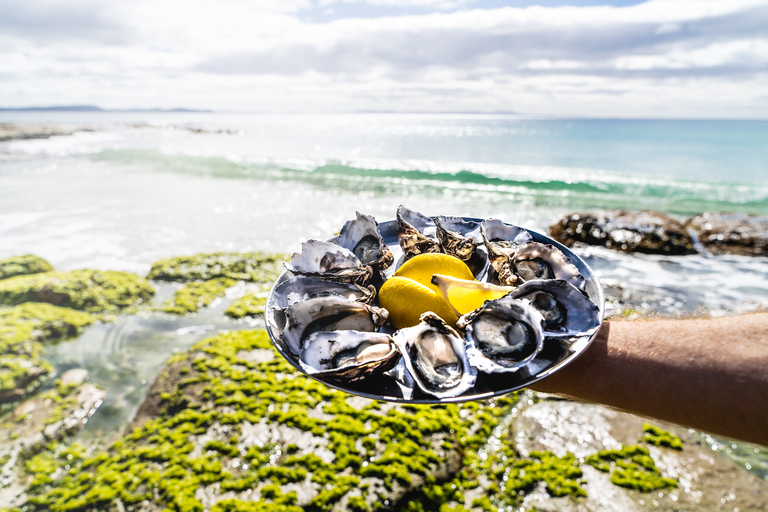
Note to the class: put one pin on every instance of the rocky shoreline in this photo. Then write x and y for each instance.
(228, 425)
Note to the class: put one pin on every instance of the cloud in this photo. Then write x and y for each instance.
(245, 54)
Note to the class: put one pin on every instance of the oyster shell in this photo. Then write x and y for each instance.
(298, 288)
(452, 241)
(502, 335)
(534, 260)
(565, 308)
(435, 357)
(415, 233)
(348, 355)
(332, 313)
(329, 261)
(363, 238)
(501, 241)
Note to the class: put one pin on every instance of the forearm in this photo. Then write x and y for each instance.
(709, 374)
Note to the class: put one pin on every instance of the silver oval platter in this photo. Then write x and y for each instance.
(323, 314)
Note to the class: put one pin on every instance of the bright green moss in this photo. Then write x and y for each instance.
(23, 265)
(658, 437)
(197, 295)
(632, 468)
(94, 291)
(560, 474)
(256, 267)
(247, 305)
(22, 325)
(168, 458)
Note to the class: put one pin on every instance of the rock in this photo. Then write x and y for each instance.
(731, 233)
(23, 265)
(256, 267)
(645, 232)
(94, 291)
(703, 477)
(23, 329)
(194, 296)
(226, 428)
(36, 422)
(21, 375)
(12, 131)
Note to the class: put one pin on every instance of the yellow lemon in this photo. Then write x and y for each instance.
(406, 300)
(467, 295)
(422, 267)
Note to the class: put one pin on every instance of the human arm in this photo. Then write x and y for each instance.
(708, 374)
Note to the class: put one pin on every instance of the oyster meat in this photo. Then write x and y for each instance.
(298, 288)
(502, 335)
(435, 357)
(348, 355)
(329, 261)
(534, 260)
(363, 238)
(567, 311)
(332, 313)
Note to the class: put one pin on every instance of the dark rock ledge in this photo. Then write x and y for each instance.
(653, 232)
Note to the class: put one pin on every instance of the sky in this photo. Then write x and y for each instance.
(589, 58)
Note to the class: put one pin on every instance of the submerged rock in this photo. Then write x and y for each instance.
(256, 267)
(731, 233)
(23, 329)
(23, 265)
(645, 232)
(94, 291)
(197, 295)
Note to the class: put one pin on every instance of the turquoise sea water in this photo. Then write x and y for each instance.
(127, 189)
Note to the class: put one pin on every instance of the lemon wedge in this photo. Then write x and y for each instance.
(466, 295)
(410, 292)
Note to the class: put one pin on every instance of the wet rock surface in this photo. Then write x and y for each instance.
(705, 480)
(645, 232)
(23, 265)
(731, 233)
(41, 420)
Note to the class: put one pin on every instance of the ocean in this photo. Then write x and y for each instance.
(126, 189)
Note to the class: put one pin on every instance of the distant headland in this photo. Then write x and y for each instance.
(91, 108)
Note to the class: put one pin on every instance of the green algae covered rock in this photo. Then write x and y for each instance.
(23, 265)
(231, 426)
(94, 291)
(197, 295)
(255, 267)
(22, 330)
(249, 305)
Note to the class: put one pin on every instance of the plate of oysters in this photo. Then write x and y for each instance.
(324, 314)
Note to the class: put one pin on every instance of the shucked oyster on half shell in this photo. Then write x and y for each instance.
(435, 357)
(567, 311)
(348, 355)
(501, 241)
(502, 335)
(363, 238)
(332, 313)
(297, 288)
(534, 260)
(329, 261)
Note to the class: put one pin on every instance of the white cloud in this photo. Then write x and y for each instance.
(233, 54)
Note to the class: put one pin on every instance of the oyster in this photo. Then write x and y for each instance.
(329, 261)
(501, 241)
(503, 334)
(332, 313)
(565, 308)
(348, 355)
(363, 238)
(452, 240)
(415, 233)
(298, 288)
(435, 357)
(534, 260)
